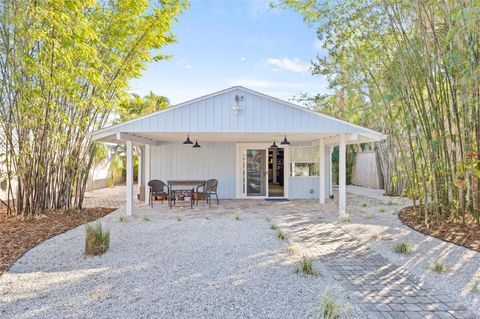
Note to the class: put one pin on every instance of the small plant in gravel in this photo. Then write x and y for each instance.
(390, 203)
(439, 267)
(403, 248)
(179, 219)
(477, 288)
(369, 216)
(122, 219)
(381, 210)
(345, 218)
(292, 249)
(97, 240)
(306, 268)
(206, 216)
(237, 217)
(146, 218)
(329, 308)
(364, 205)
(281, 235)
(274, 227)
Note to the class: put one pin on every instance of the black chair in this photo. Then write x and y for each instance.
(157, 188)
(209, 189)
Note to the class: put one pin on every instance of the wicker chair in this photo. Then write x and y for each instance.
(209, 189)
(157, 188)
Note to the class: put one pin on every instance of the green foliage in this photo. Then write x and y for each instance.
(97, 240)
(281, 235)
(364, 205)
(410, 70)
(381, 210)
(292, 249)
(122, 219)
(306, 267)
(274, 227)
(237, 217)
(477, 288)
(345, 218)
(115, 170)
(146, 218)
(439, 267)
(329, 307)
(67, 63)
(403, 248)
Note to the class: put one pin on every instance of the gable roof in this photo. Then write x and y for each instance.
(213, 113)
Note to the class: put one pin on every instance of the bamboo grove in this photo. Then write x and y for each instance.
(63, 65)
(411, 70)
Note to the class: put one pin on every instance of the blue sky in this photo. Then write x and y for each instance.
(235, 42)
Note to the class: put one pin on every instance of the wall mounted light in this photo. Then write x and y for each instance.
(237, 108)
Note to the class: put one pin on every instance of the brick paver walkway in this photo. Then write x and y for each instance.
(382, 289)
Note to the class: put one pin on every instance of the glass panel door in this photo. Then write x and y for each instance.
(256, 172)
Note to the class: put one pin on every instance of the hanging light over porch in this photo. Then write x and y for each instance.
(274, 145)
(285, 141)
(187, 141)
(196, 144)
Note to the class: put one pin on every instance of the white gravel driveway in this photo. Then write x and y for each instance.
(194, 268)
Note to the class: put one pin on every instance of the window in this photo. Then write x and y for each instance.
(304, 161)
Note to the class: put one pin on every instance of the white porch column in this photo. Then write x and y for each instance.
(342, 178)
(330, 152)
(129, 203)
(139, 173)
(321, 175)
(147, 173)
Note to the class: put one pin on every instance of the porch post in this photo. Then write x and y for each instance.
(330, 152)
(321, 175)
(139, 173)
(342, 178)
(147, 173)
(129, 203)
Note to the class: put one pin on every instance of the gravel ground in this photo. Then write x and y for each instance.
(164, 268)
(379, 218)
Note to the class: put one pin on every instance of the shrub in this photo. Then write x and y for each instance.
(274, 227)
(97, 240)
(306, 268)
(403, 248)
(477, 288)
(281, 235)
(292, 249)
(345, 217)
(329, 308)
(439, 267)
(237, 217)
(122, 219)
(146, 218)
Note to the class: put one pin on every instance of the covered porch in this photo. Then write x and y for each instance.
(256, 146)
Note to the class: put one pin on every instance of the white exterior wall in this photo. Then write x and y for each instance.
(259, 113)
(217, 160)
(211, 160)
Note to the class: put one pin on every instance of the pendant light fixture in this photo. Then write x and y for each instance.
(187, 141)
(285, 141)
(274, 145)
(196, 144)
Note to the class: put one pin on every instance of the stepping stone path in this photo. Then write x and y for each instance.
(381, 289)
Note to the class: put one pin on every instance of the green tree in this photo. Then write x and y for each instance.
(63, 66)
(411, 70)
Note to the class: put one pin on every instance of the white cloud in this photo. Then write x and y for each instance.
(188, 66)
(243, 58)
(295, 65)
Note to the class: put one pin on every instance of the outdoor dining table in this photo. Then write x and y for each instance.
(183, 187)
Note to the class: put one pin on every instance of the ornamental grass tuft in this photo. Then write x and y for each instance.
(97, 240)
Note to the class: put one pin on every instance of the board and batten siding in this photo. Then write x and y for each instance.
(214, 114)
(218, 160)
(212, 160)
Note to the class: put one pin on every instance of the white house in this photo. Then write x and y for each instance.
(236, 129)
